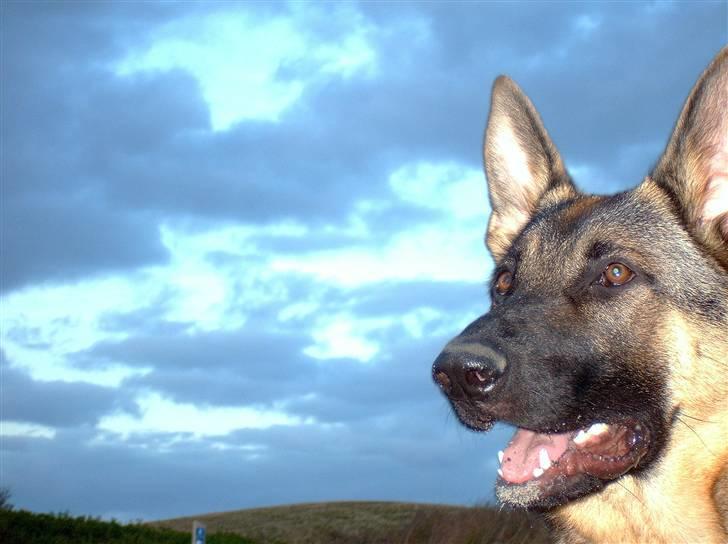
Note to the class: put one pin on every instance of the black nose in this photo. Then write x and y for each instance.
(468, 369)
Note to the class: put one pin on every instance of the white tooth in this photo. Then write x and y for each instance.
(543, 459)
(500, 473)
(500, 457)
(597, 429)
(537, 472)
(580, 438)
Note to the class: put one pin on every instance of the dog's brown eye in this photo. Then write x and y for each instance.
(616, 274)
(504, 282)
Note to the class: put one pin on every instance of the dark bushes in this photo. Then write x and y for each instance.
(23, 527)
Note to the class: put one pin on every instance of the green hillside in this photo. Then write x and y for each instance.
(372, 523)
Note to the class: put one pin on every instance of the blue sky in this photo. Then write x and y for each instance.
(236, 235)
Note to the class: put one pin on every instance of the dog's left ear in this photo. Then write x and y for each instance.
(694, 168)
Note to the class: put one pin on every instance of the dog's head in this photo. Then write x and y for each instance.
(603, 308)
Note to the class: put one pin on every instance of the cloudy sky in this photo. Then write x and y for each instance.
(235, 236)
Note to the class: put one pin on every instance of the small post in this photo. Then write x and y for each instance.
(199, 532)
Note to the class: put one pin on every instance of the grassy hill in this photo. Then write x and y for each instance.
(372, 523)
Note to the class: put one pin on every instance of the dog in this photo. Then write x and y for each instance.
(606, 343)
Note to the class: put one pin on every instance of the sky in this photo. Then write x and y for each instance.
(235, 236)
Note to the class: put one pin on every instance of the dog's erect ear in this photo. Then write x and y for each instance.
(694, 167)
(522, 164)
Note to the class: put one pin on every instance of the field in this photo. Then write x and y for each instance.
(372, 523)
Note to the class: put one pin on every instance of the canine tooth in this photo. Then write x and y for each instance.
(597, 429)
(500, 457)
(500, 473)
(543, 459)
(537, 472)
(580, 438)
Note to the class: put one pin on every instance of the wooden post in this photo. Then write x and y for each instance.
(199, 533)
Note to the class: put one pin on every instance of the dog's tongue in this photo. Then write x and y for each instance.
(521, 456)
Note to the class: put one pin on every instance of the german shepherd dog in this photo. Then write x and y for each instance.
(606, 344)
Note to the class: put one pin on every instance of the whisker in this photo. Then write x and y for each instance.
(628, 491)
(716, 361)
(697, 418)
(695, 433)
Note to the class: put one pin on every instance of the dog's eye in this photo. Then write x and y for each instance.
(616, 274)
(503, 282)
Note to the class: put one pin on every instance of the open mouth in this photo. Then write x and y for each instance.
(540, 469)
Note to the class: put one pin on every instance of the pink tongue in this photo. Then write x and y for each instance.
(521, 455)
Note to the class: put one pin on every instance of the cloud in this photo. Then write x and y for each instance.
(258, 467)
(159, 156)
(238, 57)
(55, 403)
(66, 123)
(47, 239)
(157, 414)
(229, 262)
(267, 353)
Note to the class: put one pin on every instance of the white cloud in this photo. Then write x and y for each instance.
(449, 250)
(162, 415)
(586, 24)
(43, 325)
(457, 191)
(237, 58)
(15, 428)
(415, 321)
(298, 310)
(345, 335)
(212, 296)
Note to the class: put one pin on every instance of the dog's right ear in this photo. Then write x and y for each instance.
(694, 167)
(523, 166)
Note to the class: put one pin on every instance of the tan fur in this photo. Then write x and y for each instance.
(685, 498)
(677, 502)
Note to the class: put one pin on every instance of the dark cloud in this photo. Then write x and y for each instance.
(57, 222)
(393, 383)
(133, 152)
(431, 457)
(56, 403)
(254, 369)
(252, 350)
(47, 238)
(243, 368)
(147, 321)
(602, 90)
(214, 387)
